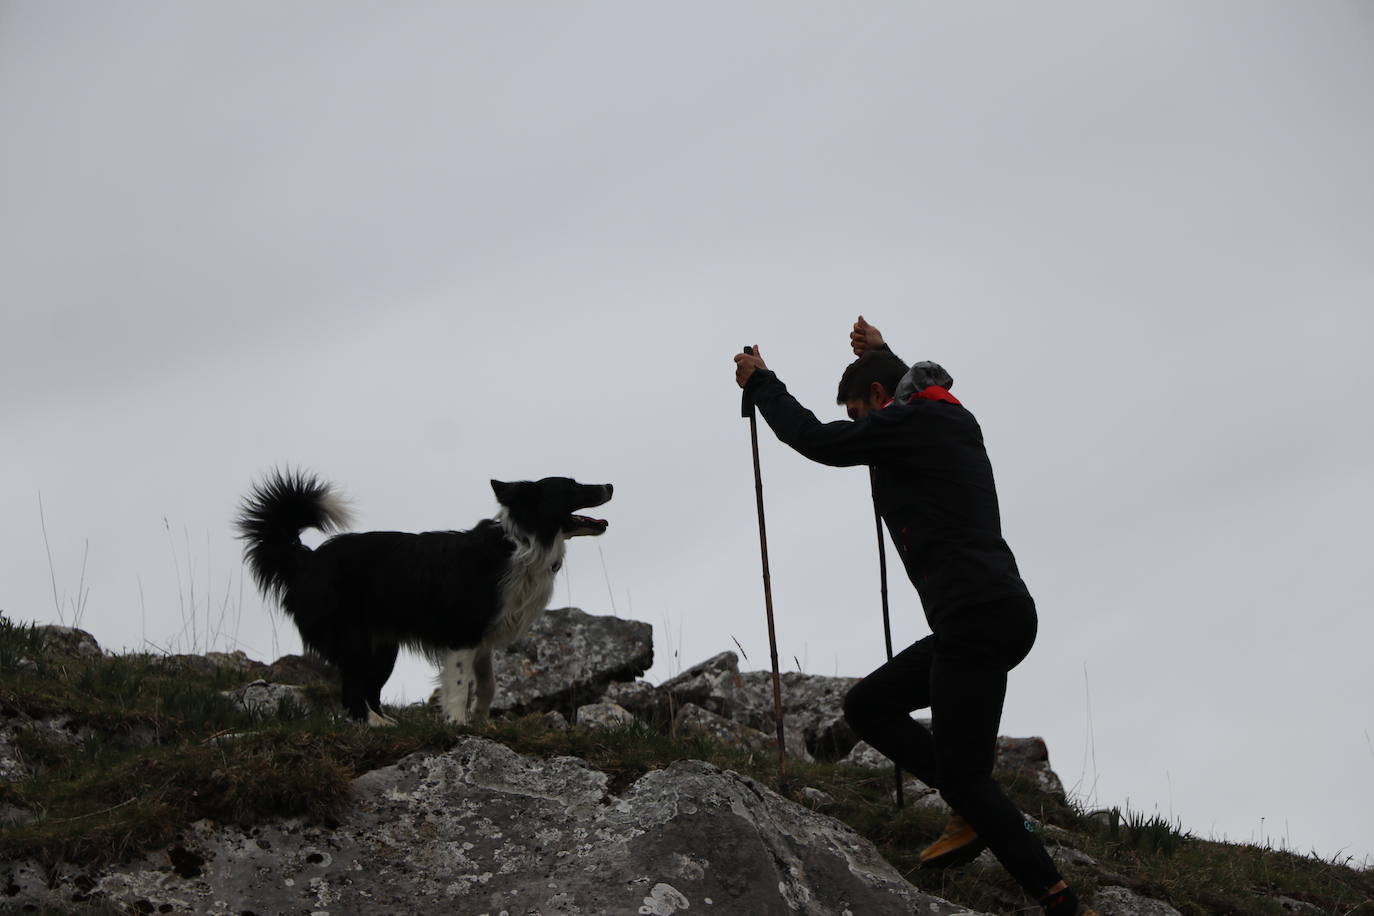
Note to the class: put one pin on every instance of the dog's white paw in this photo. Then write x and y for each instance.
(378, 720)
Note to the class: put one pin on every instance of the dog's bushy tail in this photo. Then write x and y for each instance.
(271, 519)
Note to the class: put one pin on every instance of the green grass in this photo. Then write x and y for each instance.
(165, 749)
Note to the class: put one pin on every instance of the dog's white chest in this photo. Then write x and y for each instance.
(525, 591)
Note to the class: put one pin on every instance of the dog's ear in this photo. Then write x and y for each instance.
(500, 489)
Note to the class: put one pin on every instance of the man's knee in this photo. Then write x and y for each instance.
(858, 707)
(869, 708)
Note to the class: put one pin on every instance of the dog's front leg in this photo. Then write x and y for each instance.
(486, 685)
(454, 679)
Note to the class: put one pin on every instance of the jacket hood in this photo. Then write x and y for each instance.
(920, 376)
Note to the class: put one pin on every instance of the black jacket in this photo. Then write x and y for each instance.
(932, 482)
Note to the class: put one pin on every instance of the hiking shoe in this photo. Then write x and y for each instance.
(1065, 903)
(958, 845)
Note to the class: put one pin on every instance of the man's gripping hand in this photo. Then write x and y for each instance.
(745, 364)
(864, 337)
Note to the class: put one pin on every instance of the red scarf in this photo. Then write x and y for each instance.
(935, 393)
(930, 393)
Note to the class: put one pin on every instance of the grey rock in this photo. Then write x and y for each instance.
(699, 683)
(1118, 901)
(54, 730)
(693, 720)
(811, 703)
(554, 721)
(864, 754)
(59, 640)
(567, 659)
(10, 766)
(815, 704)
(1028, 755)
(264, 698)
(212, 662)
(816, 798)
(1066, 855)
(1033, 756)
(640, 697)
(919, 795)
(483, 830)
(603, 715)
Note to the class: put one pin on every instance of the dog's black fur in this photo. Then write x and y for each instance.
(357, 598)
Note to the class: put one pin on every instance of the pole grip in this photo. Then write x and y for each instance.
(746, 407)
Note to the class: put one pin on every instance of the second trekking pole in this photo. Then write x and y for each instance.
(887, 620)
(747, 410)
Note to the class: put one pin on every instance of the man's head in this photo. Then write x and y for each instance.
(868, 382)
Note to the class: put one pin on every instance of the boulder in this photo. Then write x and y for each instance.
(59, 640)
(1033, 756)
(265, 698)
(61, 730)
(1118, 901)
(603, 715)
(693, 720)
(10, 766)
(919, 795)
(811, 703)
(864, 754)
(483, 830)
(708, 684)
(640, 697)
(567, 659)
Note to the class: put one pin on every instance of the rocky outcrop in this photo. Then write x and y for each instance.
(265, 698)
(1033, 756)
(1119, 901)
(57, 640)
(812, 704)
(483, 830)
(567, 659)
(693, 720)
(603, 715)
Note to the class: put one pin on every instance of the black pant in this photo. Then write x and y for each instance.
(960, 672)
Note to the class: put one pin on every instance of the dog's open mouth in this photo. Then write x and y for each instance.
(578, 525)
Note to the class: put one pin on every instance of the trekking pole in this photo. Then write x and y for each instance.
(887, 621)
(747, 410)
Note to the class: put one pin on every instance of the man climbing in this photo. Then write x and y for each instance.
(933, 486)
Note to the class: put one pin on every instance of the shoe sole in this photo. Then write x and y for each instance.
(956, 857)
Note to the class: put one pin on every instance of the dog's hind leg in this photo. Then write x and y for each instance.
(486, 684)
(355, 691)
(455, 681)
(351, 655)
(379, 668)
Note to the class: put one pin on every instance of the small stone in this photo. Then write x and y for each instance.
(554, 721)
(1118, 901)
(603, 715)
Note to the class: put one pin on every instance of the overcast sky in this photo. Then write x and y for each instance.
(416, 246)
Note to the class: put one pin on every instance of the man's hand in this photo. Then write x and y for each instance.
(864, 337)
(745, 364)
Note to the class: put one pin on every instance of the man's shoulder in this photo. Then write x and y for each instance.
(919, 410)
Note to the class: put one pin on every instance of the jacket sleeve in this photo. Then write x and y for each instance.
(843, 443)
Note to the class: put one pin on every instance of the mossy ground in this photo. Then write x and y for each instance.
(163, 748)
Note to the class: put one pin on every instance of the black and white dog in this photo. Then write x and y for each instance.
(452, 595)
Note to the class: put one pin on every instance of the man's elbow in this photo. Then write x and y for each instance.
(825, 456)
